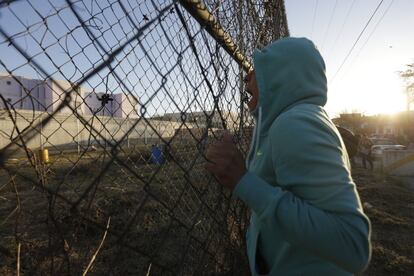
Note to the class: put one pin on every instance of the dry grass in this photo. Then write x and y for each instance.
(392, 218)
(170, 219)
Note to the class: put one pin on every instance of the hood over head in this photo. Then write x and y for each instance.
(289, 71)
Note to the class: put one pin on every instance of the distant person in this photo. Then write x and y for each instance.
(365, 146)
(358, 138)
(306, 218)
(351, 142)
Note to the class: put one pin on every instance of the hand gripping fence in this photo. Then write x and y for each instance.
(106, 110)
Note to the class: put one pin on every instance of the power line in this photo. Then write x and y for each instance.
(343, 25)
(356, 41)
(370, 35)
(314, 16)
(373, 30)
(329, 24)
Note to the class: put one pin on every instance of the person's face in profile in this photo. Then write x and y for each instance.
(251, 88)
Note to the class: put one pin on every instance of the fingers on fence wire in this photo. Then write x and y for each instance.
(106, 111)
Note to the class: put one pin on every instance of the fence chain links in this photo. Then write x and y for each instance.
(106, 109)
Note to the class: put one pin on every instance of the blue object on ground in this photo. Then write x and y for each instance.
(157, 156)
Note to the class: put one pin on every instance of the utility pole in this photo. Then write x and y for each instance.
(410, 101)
(408, 76)
(410, 96)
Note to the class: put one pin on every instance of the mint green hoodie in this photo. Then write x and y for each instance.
(306, 217)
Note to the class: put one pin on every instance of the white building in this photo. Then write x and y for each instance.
(120, 105)
(23, 93)
(31, 94)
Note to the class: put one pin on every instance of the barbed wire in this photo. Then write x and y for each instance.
(106, 109)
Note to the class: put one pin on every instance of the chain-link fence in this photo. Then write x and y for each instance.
(106, 108)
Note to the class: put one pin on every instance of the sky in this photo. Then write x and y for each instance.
(160, 69)
(368, 81)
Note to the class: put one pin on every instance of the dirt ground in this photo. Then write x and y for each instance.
(390, 206)
(71, 241)
(166, 220)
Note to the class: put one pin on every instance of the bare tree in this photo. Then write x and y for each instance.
(408, 76)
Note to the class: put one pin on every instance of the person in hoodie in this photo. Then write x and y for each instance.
(306, 217)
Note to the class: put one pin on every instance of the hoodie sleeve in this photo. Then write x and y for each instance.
(316, 205)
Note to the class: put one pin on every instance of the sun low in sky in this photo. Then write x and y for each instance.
(365, 43)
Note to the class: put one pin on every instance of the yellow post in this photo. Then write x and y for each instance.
(44, 155)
